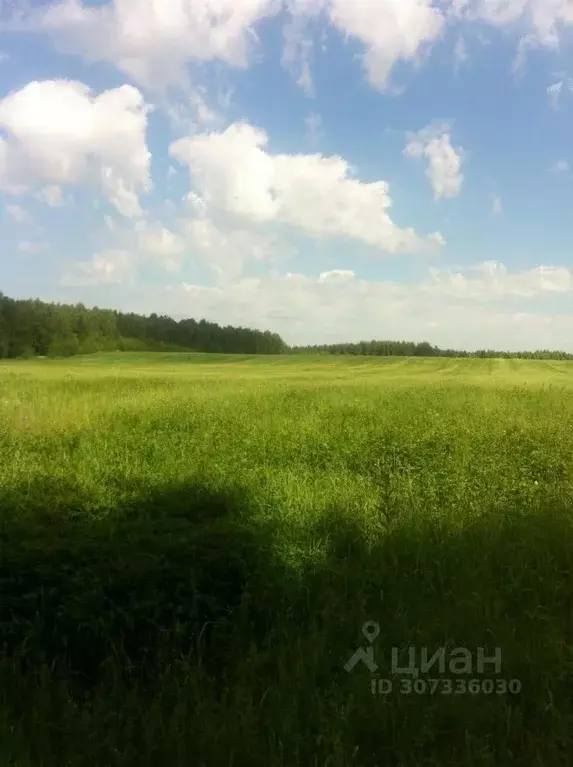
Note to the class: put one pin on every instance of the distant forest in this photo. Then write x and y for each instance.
(30, 328)
(33, 328)
(423, 349)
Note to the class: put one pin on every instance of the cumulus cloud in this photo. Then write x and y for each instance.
(539, 23)
(492, 279)
(58, 132)
(165, 246)
(232, 171)
(195, 236)
(107, 267)
(485, 300)
(444, 162)
(496, 205)
(390, 31)
(226, 250)
(152, 41)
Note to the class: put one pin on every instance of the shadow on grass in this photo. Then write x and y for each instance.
(185, 625)
(132, 586)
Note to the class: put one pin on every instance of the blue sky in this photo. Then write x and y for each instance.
(328, 169)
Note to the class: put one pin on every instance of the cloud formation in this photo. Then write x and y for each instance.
(152, 42)
(107, 267)
(59, 132)
(232, 171)
(390, 31)
(496, 307)
(444, 162)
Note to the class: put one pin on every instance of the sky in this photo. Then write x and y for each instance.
(331, 170)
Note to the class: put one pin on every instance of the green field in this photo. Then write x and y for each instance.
(191, 545)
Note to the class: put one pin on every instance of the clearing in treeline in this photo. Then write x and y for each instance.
(191, 546)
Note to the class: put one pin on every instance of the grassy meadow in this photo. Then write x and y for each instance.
(190, 546)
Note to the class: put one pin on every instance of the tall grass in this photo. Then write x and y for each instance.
(190, 546)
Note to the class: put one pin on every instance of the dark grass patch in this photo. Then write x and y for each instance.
(180, 613)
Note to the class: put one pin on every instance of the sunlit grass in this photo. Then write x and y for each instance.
(192, 543)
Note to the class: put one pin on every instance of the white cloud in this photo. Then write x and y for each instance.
(391, 31)
(197, 237)
(298, 48)
(52, 196)
(153, 41)
(336, 275)
(491, 279)
(233, 172)
(164, 245)
(482, 307)
(59, 133)
(18, 213)
(540, 23)
(496, 205)
(495, 12)
(189, 112)
(444, 162)
(560, 166)
(225, 250)
(104, 268)
(32, 247)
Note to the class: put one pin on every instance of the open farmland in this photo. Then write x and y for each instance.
(191, 545)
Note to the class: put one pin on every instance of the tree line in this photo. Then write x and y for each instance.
(422, 349)
(30, 328)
